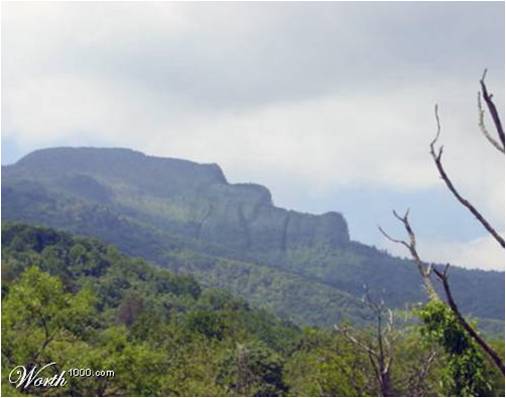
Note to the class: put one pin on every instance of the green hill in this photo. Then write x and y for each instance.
(130, 328)
(81, 304)
(186, 217)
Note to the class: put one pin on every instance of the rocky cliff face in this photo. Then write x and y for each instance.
(258, 225)
(187, 198)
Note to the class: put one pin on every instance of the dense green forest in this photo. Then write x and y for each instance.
(82, 304)
(186, 217)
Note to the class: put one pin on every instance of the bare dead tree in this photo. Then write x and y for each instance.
(379, 349)
(426, 269)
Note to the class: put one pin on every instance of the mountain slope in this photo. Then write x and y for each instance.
(155, 330)
(187, 217)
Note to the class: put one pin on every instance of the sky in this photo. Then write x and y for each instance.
(330, 105)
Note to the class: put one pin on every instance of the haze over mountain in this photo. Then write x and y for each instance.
(328, 104)
(186, 216)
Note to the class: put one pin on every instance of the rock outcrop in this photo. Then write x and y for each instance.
(189, 198)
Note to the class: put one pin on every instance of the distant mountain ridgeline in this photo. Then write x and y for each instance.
(183, 197)
(188, 218)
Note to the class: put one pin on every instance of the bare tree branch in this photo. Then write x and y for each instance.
(483, 128)
(425, 271)
(417, 380)
(386, 235)
(491, 108)
(380, 353)
(443, 276)
(346, 333)
(423, 268)
(436, 156)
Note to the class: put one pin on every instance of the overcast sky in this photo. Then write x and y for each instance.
(330, 105)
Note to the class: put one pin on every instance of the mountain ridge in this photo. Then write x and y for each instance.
(164, 209)
(253, 202)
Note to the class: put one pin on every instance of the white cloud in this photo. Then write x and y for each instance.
(315, 96)
(325, 142)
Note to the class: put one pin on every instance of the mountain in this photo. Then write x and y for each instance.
(186, 217)
(181, 197)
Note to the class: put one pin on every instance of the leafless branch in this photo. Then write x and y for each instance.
(345, 331)
(443, 277)
(436, 156)
(425, 271)
(423, 268)
(492, 108)
(386, 235)
(417, 382)
(483, 128)
(379, 350)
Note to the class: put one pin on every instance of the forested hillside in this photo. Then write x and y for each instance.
(186, 217)
(81, 304)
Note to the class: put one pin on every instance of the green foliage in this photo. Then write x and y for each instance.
(209, 324)
(466, 373)
(324, 364)
(157, 330)
(37, 312)
(41, 322)
(82, 304)
(252, 369)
